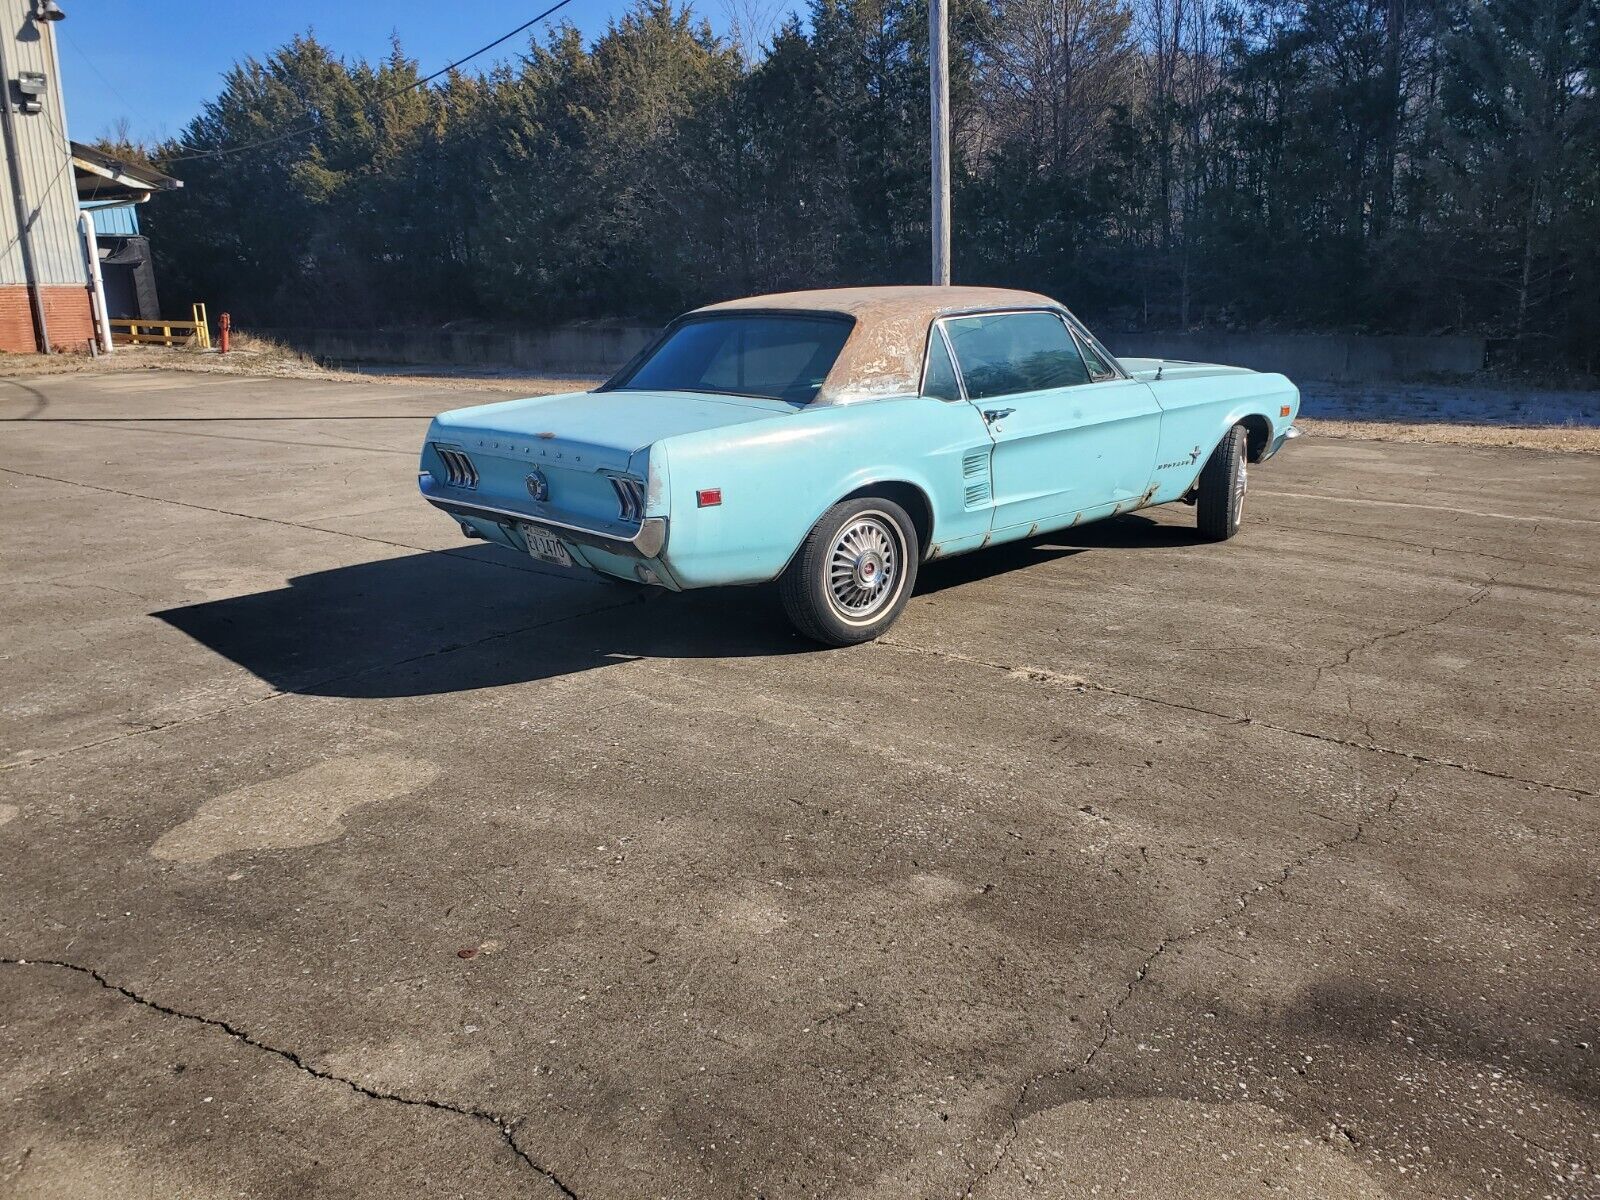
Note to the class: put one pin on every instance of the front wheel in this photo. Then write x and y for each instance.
(853, 573)
(1223, 483)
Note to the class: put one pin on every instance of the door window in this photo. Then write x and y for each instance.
(1006, 353)
(939, 376)
(1096, 355)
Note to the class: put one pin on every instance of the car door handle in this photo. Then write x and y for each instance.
(992, 415)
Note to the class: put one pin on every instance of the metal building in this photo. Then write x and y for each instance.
(109, 191)
(45, 284)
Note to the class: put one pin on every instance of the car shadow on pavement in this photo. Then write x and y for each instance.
(457, 620)
(460, 620)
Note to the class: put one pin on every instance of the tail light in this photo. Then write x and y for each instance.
(630, 498)
(458, 468)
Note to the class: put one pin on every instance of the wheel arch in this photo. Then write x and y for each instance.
(1258, 434)
(908, 496)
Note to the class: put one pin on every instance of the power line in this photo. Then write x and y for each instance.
(389, 95)
(90, 63)
(55, 181)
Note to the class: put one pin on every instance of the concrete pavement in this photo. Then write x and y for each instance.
(339, 855)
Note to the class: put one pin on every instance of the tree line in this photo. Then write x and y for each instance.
(1406, 166)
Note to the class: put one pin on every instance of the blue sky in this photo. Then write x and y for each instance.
(156, 64)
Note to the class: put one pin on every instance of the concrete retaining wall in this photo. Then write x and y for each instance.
(1341, 358)
(563, 349)
(600, 349)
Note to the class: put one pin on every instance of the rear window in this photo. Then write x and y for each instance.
(773, 357)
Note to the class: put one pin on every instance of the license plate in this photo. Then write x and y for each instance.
(546, 547)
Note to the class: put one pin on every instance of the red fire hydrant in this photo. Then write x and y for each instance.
(224, 326)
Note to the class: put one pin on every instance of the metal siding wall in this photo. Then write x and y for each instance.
(45, 157)
(121, 220)
(11, 272)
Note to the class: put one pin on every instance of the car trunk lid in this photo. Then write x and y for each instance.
(562, 453)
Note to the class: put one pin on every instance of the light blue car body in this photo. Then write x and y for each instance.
(1056, 458)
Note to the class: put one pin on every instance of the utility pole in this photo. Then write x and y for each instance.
(20, 197)
(939, 103)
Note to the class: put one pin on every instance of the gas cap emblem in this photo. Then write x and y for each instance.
(538, 486)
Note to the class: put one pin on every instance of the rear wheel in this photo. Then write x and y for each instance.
(853, 573)
(1223, 482)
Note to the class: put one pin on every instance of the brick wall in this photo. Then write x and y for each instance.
(66, 312)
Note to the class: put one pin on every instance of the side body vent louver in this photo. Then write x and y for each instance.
(975, 475)
(459, 470)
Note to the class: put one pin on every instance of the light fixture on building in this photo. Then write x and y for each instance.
(47, 10)
(31, 85)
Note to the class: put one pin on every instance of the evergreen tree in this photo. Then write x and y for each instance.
(1388, 165)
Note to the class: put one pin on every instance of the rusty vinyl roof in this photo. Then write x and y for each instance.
(883, 356)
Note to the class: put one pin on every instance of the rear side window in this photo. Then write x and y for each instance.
(939, 376)
(777, 357)
(1007, 353)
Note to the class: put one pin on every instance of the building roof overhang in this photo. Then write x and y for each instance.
(106, 179)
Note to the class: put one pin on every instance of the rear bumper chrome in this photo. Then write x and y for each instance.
(645, 541)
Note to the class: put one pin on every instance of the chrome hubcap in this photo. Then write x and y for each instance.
(864, 567)
(1241, 483)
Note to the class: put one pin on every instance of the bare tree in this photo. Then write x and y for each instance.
(1055, 70)
(751, 24)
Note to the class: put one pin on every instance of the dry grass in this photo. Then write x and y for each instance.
(1567, 439)
(252, 355)
(249, 356)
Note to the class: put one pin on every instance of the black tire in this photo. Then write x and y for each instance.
(853, 574)
(1223, 483)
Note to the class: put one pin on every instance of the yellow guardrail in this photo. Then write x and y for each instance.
(153, 333)
(163, 332)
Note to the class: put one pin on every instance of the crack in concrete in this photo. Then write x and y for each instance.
(1362, 647)
(228, 512)
(264, 441)
(838, 1013)
(1562, 1158)
(221, 512)
(1433, 550)
(1468, 512)
(1040, 675)
(1239, 906)
(504, 1127)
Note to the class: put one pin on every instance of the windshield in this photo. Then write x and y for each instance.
(775, 357)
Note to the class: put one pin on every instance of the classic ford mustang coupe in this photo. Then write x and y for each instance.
(835, 440)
